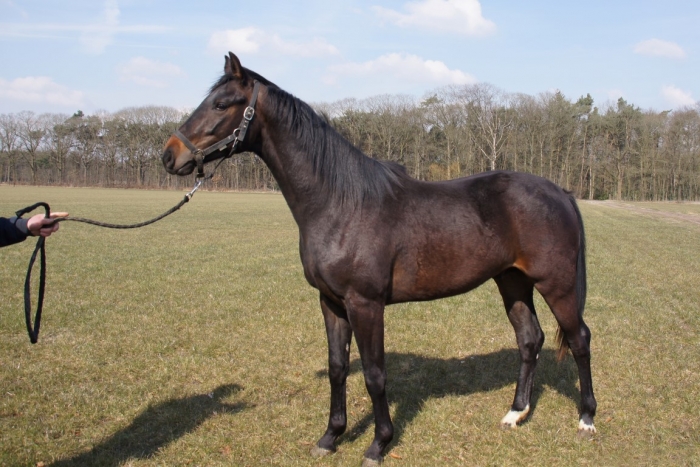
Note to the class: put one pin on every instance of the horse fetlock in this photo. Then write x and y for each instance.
(325, 445)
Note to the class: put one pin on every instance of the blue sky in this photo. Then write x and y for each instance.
(61, 56)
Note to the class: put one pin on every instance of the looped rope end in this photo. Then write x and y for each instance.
(33, 329)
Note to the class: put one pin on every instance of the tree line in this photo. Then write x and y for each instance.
(615, 152)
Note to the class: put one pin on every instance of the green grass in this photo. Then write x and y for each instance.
(196, 341)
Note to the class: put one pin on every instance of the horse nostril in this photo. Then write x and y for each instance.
(168, 158)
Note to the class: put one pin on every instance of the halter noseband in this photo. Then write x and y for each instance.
(237, 136)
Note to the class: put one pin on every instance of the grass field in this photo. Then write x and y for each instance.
(196, 341)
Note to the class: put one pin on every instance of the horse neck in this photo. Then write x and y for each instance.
(292, 167)
(316, 168)
(293, 145)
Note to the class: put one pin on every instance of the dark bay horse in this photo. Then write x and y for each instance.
(370, 236)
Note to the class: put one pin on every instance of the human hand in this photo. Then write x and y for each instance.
(40, 225)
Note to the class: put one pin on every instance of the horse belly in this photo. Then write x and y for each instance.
(437, 272)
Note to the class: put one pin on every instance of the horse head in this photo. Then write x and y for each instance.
(217, 128)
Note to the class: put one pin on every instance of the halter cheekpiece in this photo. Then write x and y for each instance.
(236, 137)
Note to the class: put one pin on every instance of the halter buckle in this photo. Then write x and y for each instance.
(199, 160)
(249, 113)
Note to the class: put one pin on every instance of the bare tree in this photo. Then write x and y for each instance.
(445, 116)
(9, 142)
(489, 117)
(60, 140)
(33, 130)
(619, 152)
(87, 130)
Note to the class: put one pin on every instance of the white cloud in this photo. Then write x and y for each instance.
(94, 37)
(317, 47)
(146, 72)
(403, 68)
(97, 37)
(238, 40)
(102, 34)
(677, 97)
(456, 16)
(659, 48)
(253, 40)
(40, 90)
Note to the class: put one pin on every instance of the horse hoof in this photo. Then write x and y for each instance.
(318, 451)
(367, 462)
(586, 430)
(514, 417)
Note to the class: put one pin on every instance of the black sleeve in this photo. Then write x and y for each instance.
(12, 230)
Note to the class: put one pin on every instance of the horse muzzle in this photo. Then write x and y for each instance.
(175, 158)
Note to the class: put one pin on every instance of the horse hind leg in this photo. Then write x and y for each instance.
(516, 290)
(578, 340)
(575, 335)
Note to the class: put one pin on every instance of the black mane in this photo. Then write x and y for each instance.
(348, 175)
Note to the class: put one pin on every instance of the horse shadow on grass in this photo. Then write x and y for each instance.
(156, 427)
(414, 379)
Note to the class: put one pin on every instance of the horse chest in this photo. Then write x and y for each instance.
(337, 263)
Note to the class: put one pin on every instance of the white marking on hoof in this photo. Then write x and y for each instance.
(584, 427)
(514, 417)
(317, 451)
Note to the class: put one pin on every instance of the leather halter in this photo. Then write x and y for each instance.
(236, 137)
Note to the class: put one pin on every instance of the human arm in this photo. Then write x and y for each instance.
(16, 229)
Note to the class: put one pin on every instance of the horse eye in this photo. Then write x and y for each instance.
(220, 106)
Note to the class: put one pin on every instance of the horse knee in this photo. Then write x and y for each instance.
(384, 433)
(338, 372)
(375, 380)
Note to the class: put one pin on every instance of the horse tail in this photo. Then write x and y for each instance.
(581, 287)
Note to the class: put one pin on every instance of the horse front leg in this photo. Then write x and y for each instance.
(367, 321)
(339, 334)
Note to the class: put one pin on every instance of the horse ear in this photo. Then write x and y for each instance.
(233, 67)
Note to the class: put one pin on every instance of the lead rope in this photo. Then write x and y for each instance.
(33, 330)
